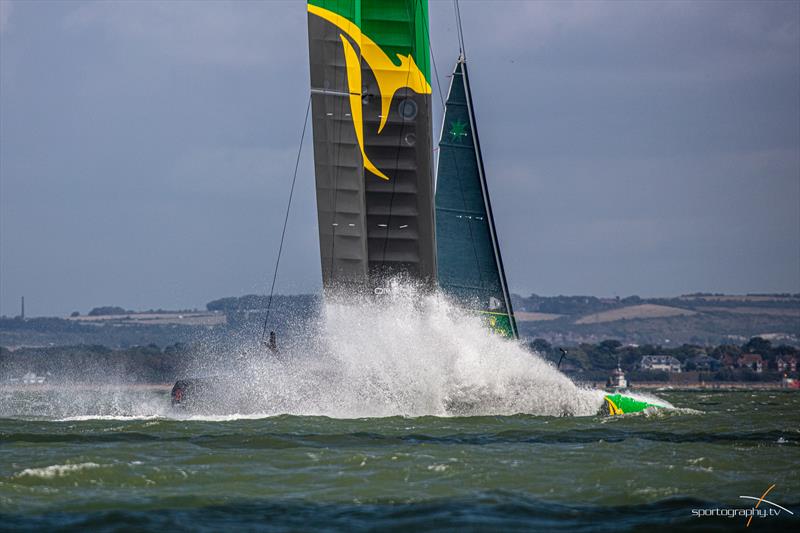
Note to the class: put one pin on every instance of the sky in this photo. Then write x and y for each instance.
(147, 148)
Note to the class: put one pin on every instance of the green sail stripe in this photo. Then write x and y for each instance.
(397, 26)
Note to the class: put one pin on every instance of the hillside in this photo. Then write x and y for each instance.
(698, 319)
(633, 312)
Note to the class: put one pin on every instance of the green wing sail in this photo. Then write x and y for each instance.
(468, 252)
(371, 107)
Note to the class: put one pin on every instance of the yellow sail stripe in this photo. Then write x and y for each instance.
(390, 77)
(612, 408)
(354, 87)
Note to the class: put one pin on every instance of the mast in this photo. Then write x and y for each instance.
(371, 117)
(470, 263)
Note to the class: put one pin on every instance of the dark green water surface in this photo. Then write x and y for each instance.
(640, 472)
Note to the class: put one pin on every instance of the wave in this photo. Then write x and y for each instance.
(49, 472)
(123, 418)
(471, 435)
(496, 511)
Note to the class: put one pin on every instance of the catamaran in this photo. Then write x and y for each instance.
(379, 214)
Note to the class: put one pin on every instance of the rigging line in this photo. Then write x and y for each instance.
(460, 30)
(435, 70)
(487, 203)
(455, 161)
(336, 160)
(286, 219)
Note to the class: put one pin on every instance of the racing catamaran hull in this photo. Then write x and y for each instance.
(619, 404)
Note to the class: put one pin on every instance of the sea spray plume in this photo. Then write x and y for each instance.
(409, 352)
(77, 401)
(86, 381)
(414, 353)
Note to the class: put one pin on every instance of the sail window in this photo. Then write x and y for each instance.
(408, 109)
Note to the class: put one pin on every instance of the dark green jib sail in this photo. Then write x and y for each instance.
(371, 109)
(470, 267)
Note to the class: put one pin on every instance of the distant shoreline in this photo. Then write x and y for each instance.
(165, 387)
(710, 386)
(41, 387)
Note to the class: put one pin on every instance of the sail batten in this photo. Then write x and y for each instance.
(470, 267)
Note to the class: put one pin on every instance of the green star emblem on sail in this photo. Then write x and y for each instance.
(458, 130)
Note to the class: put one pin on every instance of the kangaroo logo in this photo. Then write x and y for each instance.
(389, 76)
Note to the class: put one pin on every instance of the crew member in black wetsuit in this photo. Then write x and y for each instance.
(273, 343)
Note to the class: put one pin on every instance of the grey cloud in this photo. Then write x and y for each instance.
(668, 40)
(5, 14)
(219, 33)
(631, 147)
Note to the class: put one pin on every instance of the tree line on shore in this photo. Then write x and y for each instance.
(153, 364)
(596, 361)
(717, 319)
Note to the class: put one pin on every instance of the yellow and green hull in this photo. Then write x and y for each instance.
(619, 404)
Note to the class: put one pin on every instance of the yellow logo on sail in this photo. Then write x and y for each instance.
(390, 77)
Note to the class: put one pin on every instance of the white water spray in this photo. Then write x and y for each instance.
(408, 354)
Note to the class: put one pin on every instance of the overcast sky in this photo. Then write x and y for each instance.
(146, 148)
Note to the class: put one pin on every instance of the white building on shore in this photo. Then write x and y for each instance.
(664, 363)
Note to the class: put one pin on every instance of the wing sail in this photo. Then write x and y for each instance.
(371, 116)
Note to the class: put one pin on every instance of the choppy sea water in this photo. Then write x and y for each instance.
(492, 473)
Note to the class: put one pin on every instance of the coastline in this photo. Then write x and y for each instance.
(44, 387)
(710, 386)
(648, 386)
